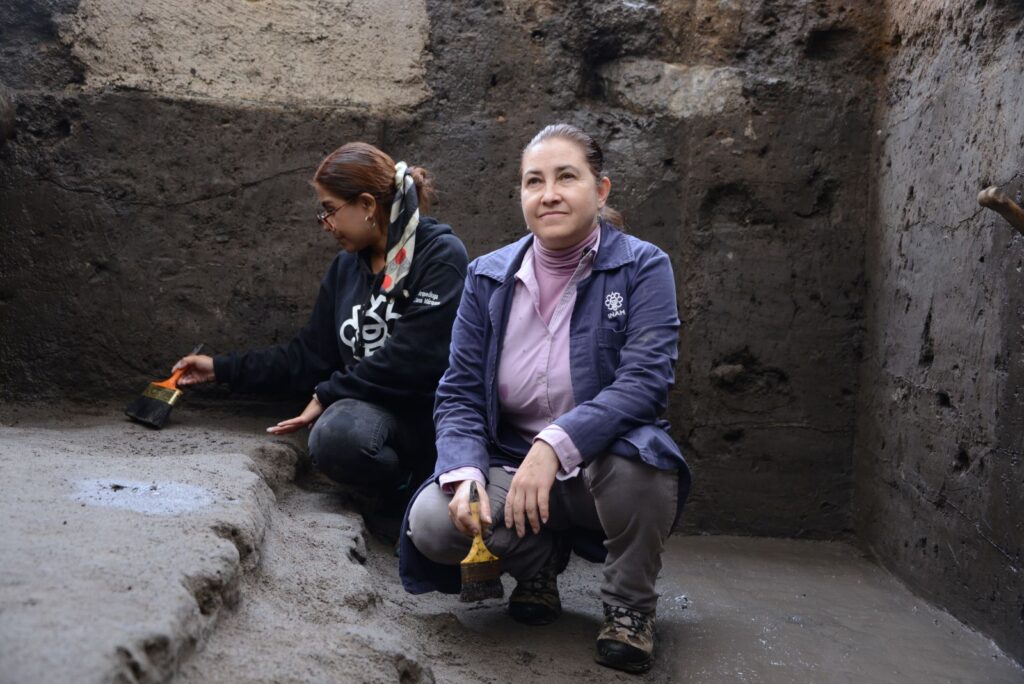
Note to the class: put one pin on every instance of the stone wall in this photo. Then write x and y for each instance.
(810, 166)
(154, 193)
(360, 53)
(939, 479)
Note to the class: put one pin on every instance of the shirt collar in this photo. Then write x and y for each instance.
(527, 275)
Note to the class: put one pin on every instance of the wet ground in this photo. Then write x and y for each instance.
(207, 552)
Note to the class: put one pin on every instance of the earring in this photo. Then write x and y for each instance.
(373, 225)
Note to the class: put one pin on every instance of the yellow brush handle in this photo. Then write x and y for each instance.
(478, 553)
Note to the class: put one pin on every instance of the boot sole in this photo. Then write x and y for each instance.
(631, 668)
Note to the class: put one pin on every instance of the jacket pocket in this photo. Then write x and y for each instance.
(609, 344)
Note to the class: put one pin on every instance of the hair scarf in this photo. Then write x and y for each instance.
(405, 218)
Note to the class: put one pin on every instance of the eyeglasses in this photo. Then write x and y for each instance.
(323, 214)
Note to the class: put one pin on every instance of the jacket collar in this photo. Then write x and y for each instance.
(615, 251)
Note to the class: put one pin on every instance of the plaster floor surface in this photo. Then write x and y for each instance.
(208, 552)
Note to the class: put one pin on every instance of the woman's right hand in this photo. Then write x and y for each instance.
(458, 509)
(198, 369)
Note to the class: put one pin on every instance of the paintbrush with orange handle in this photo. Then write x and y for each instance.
(154, 406)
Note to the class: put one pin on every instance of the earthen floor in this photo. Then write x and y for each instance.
(206, 552)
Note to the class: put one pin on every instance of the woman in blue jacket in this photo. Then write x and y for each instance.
(377, 341)
(563, 353)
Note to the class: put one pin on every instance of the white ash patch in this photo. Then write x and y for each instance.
(151, 498)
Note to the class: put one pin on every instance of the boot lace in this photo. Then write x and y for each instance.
(634, 622)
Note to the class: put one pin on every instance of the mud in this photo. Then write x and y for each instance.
(104, 577)
(279, 580)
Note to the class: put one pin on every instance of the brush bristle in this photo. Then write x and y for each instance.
(149, 411)
(481, 591)
(481, 581)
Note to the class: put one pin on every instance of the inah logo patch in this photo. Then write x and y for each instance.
(614, 303)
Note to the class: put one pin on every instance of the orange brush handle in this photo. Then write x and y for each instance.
(172, 382)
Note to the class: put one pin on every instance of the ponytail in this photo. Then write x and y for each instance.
(424, 187)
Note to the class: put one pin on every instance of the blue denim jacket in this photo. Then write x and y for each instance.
(623, 343)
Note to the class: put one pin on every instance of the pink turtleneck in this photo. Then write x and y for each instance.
(552, 271)
(534, 379)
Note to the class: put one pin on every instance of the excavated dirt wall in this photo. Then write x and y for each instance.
(810, 167)
(154, 192)
(939, 478)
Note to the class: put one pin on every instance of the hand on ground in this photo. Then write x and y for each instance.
(305, 419)
(198, 369)
(531, 489)
(458, 509)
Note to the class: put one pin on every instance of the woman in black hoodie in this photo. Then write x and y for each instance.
(377, 342)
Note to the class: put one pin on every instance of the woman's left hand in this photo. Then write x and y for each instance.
(306, 418)
(531, 488)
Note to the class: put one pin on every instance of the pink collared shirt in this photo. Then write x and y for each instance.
(534, 381)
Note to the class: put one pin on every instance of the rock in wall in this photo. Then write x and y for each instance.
(154, 192)
(939, 478)
(361, 53)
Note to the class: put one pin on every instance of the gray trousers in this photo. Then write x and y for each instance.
(633, 503)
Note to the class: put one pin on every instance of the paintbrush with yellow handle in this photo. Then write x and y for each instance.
(481, 573)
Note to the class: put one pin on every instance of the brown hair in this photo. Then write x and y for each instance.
(591, 152)
(358, 167)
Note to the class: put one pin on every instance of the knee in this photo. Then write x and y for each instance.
(629, 475)
(338, 434)
(431, 530)
(626, 479)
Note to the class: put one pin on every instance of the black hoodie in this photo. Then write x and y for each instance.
(403, 351)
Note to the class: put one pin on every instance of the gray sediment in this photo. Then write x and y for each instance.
(276, 579)
(851, 356)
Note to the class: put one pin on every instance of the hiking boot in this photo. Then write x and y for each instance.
(535, 601)
(626, 640)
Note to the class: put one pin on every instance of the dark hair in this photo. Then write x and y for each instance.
(358, 167)
(591, 152)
